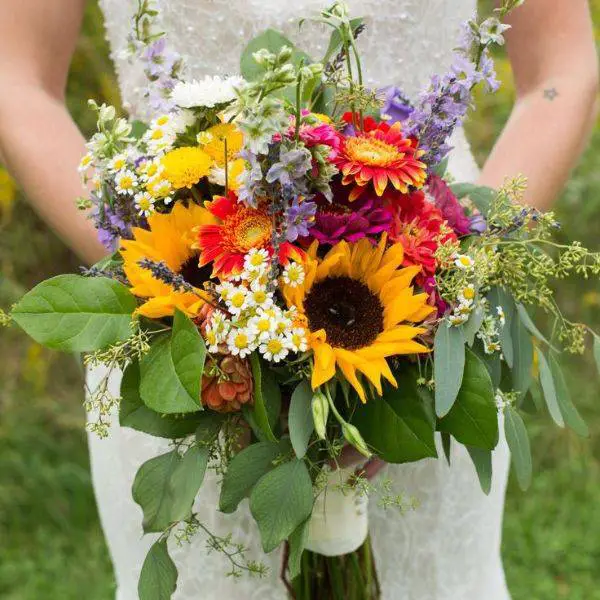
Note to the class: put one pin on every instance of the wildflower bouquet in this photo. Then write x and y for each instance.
(295, 272)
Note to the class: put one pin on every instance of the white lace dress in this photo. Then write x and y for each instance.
(449, 547)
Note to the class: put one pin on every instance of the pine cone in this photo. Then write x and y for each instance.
(230, 387)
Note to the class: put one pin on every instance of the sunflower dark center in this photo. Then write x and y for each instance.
(194, 274)
(349, 312)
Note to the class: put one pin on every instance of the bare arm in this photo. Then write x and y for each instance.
(39, 143)
(552, 51)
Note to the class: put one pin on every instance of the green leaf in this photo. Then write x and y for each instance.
(492, 362)
(447, 446)
(76, 314)
(481, 196)
(482, 459)
(298, 541)
(171, 372)
(244, 470)
(597, 351)
(473, 325)
(267, 401)
(108, 262)
(547, 382)
(151, 491)
(570, 415)
(158, 579)
(399, 426)
(335, 41)
(518, 443)
(138, 128)
(133, 413)
(499, 297)
(523, 355)
(531, 326)
(281, 501)
(449, 364)
(300, 419)
(473, 419)
(442, 167)
(185, 481)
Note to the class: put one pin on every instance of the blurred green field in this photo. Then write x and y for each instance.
(51, 544)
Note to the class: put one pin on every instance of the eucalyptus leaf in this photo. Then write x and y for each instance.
(76, 314)
(300, 419)
(520, 449)
(281, 501)
(482, 460)
(492, 362)
(522, 368)
(449, 357)
(399, 426)
(158, 578)
(473, 325)
(547, 383)
(133, 413)
(531, 326)
(597, 351)
(244, 470)
(171, 372)
(447, 446)
(499, 297)
(267, 401)
(481, 196)
(473, 419)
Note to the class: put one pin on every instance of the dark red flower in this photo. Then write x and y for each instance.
(448, 204)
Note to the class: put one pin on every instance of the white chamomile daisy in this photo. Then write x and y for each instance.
(282, 324)
(296, 340)
(225, 290)
(86, 162)
(501, 315)
(238, 300)
(204, 137)
(263, 325)
(159, 139)
(293, 274)
(212, 340)
(259, 296)
(274, 348)
(458, 319)
(144, 204)
(126, 182)
(256, 260)
(151, 170)
(117, 163)
(467, 295)
(464, 262)
(160, 188)
(241, 342)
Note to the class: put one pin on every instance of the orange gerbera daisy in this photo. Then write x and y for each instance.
(239, 229)
(381, 155)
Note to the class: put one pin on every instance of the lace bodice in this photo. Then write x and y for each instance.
(405, 41)
(446, 549)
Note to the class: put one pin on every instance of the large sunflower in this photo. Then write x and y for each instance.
(169, 240)
(359, 308)
(381, 156)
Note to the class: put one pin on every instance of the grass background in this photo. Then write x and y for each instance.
(51, 544)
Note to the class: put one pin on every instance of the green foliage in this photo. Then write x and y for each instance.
(158, 579)
(482, 460)
(263, 416)
(300, 418)
(518, 443)
(170, 380)
(76, 314)
(449, 354)
(281, 501)
(298, 541)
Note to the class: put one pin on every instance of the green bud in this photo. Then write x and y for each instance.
(354, 438)
(284, 54)
(263, 57)
(320, 412)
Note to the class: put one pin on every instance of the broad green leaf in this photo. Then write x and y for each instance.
(473, 325)
(447, 446)
(158, 579)
(473, 419)
(518, 443)
(449, 364)
(298, 541)
(597, 351)
(300, 419)
(400, 425)
(171, 372)
(185, 481)
(482, 459)
(267, 401)
(135, 414)
(571, 416)
(151, 491)
(281, 501)
(481, 196)
(547, 382)
(522, 368)
(530, 325)
(76, 314)
(244, 470)
(109, 262)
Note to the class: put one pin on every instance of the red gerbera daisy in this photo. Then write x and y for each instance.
(417, 224)
(239, 229)
(380, 156)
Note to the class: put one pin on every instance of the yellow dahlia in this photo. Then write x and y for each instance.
(169, 240)
(359, 308)
(184, 167)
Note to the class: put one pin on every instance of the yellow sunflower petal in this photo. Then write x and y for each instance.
(324, 367)
(349, 372)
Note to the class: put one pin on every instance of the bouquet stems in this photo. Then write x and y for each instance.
(351, 576)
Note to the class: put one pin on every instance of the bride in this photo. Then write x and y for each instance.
(448, 548)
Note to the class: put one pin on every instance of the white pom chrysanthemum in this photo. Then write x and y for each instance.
(208, 92)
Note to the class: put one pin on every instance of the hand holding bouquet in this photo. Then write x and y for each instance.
(294, 271)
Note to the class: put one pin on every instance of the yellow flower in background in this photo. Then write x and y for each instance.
(8, 194)
(359, 308)
(216, 137)
(169, 240)
(184, 167)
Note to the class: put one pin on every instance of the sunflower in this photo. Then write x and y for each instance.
(237, 230)
(359, 308)
(380, 156)
(169, 240)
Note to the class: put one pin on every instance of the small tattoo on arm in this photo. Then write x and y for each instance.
(550, 94)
